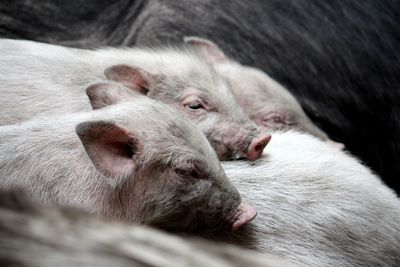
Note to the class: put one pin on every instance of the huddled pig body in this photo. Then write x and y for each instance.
(32, 236)
(137, 160)
(317, 206)
(39, 79)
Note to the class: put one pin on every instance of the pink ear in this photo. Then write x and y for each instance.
(106, 93)
(133, 77)
(210, 50)
(111, 148)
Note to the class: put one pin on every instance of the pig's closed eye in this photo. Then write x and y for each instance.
(188, 173)
(194, 105)
(195, 174)
(182, 172)
(278, 119)
(275, 118)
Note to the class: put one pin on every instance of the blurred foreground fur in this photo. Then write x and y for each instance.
(34, 236)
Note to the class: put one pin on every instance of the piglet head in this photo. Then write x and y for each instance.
(162, 168)
(228, 129)
(199, 199)
(205, 100)
(264, 100)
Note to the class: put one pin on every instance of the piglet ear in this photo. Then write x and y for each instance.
(133, 77)
(111, 147)
(210, 50)
(106, 93)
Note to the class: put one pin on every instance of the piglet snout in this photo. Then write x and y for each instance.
(244, 214)
(257, 146)
(336, 145)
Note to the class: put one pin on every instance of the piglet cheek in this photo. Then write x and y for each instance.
(244, 214)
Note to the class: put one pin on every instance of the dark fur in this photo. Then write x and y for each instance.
(340, 58)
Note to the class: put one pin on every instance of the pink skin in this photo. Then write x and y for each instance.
(244, 214)
(246, 141)
(337, 145)
(257, 146)
(228, 129)
(115, 150)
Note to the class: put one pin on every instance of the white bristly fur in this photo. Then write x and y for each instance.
(317, 206)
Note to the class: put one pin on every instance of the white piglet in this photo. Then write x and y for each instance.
(39, 79)
(137, 160)
(268, 104)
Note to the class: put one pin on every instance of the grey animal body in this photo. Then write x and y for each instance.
(317, 206)
(39, 79)
(32, 236)
(137, 160)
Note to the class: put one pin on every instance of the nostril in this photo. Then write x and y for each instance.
(244, 214)
(257, 146)
(262, 142)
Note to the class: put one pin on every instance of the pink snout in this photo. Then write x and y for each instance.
(244, 214)
(338, 146)
(257, 146)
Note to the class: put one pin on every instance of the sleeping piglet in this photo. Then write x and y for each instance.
(267, 103)
(39, 79)
(133, 159)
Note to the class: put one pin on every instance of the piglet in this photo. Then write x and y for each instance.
(132, 158)
(267, 103)
(40, 79)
